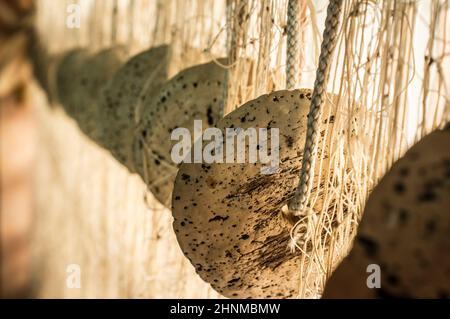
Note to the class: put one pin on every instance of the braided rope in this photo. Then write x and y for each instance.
(297, 203)
(292, 49)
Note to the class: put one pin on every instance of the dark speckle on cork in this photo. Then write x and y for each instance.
(399, 188)
(428, 195)
(430, 227)
(245, 237)
(369, 245)
(218, 218)
(403, 216)
(289, 141)
(404, 171)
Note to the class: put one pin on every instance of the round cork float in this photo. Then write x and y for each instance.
(228, 216)
(138, 80)
(80, 79)
(92, 77)
(405, 230)
(67, 75)
(195, 93)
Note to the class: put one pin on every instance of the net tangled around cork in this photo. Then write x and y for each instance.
(213, 149)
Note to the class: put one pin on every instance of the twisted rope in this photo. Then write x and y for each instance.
(292, 50)
(297, 203)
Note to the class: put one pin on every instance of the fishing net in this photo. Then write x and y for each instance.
(388, 72)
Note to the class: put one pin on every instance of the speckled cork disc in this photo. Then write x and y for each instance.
(67, 72)
(227, 217)
(195, 93)
(405, 229)
(139, 79)
(80, 79)
(93, 76)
